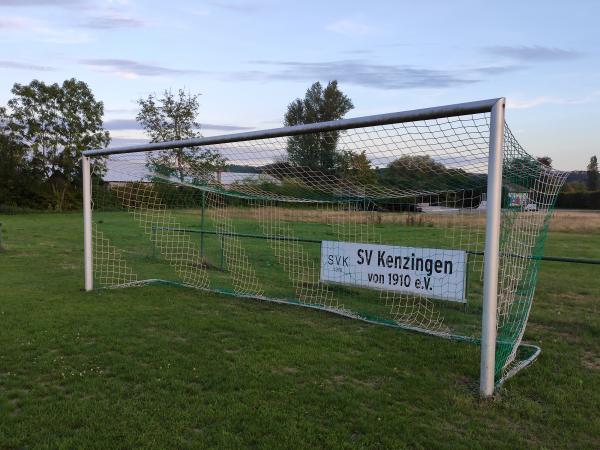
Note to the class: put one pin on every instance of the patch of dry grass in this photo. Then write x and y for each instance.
(562, 220)
(576, 220)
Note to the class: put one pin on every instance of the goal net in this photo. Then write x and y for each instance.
(381, 219)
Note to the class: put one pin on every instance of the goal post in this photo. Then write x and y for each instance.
(87, 224)
(396, 219)
(492, 249)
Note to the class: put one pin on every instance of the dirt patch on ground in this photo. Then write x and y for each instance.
(591, 361)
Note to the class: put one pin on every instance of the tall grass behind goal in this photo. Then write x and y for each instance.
(430, 220)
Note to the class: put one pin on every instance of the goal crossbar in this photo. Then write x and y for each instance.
(459, 109)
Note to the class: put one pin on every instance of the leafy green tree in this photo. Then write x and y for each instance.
(56, 123)
(173, 117)
(19, 185)
(593, 182)
(423, 172)
(358, 169)
(317, 151)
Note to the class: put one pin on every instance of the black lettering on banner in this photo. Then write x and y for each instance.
(426, 282)
(448, 264)
(380, 258)
(360, 256)
(429, 266)
(364, 256)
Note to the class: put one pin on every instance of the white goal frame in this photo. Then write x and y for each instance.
(496, 109)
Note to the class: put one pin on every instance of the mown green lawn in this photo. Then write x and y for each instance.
(165, 367)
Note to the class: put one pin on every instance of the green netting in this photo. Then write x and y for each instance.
(255, 228)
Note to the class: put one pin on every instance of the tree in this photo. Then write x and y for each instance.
(358, 169)
(545, 160)
(56, 123)
(592, 174)
(522, 171)
(423, 172)
(317, 151)
(173, 117)
(17, 182)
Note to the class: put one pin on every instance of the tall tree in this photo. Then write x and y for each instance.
(56, 123)
(593, 181)
(317, 151)
(173, 117)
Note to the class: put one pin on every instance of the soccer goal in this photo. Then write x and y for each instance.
(431, 220)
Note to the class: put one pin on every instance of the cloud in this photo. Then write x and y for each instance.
(361, 73)
(535, 53)
(133, 69)
(351, 71)
(32, 28)
(122, 124)
(497, 69)
(113, 20)
(24, 66)
(11, 23)
(349, 27)
(217, 127)
(94, 17)
(132, 124)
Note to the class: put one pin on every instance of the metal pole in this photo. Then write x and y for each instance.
(202, 225)
(87, 224)
(437, 112)
(492, 251)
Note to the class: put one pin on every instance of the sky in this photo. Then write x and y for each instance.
(250, 59)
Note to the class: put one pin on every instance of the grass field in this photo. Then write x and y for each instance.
(164, 367)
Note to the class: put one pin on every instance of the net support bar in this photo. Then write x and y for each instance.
(481, 106)
(87, 224)
(492, 250)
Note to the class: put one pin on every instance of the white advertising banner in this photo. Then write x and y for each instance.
(431, 272)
